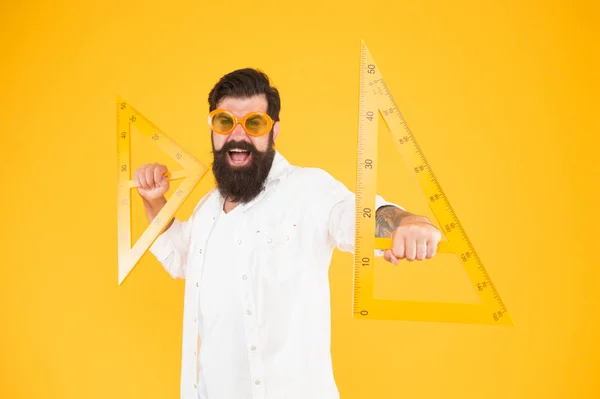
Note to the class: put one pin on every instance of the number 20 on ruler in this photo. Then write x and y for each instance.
(376, 99)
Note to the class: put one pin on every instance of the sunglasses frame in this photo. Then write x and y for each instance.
(241, 121)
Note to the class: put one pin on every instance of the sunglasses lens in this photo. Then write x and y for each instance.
(257, 124)
(222, 122)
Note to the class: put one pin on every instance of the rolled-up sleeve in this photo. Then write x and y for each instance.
(342, 216)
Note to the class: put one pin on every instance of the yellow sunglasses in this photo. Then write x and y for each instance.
(255, 123)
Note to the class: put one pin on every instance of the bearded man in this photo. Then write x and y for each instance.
(255, 254)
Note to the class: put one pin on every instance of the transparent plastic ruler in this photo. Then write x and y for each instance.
(192, 172)
(375, 99)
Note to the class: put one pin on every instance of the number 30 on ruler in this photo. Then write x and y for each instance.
(376, 97)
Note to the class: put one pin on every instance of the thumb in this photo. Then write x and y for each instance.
(163, 180)
(158, 176)
(389, 256)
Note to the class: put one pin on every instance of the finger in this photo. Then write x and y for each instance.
(432, 243)
(387, 255)
(431, 248)
(421, 249)
(136, 178)
(150, 177)
(162, 169)
(411, 248)
(398, 246)
(142, 176)
(157, 176)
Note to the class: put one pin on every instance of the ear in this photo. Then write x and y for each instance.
(275, 130)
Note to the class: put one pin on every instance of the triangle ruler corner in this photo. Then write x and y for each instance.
(191, 172)
(376, 99)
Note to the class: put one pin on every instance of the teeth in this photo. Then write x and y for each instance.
(238, 150)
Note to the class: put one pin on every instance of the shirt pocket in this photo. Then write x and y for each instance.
(278, 252)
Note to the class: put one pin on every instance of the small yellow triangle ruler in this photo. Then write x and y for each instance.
(375, 98)
(192, 172)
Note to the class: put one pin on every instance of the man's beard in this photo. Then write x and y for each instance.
(244, 183)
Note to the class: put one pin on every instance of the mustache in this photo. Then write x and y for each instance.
(237, 145)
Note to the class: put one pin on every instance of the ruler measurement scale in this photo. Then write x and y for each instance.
(376, 98)
(192, 173)
(365, 211)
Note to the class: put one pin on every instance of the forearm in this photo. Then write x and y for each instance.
(171, 250)
(152, 209)
(389, 218)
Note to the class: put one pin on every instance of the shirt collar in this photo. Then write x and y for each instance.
(279, 169)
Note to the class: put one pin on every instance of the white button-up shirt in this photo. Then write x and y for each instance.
(256, 320)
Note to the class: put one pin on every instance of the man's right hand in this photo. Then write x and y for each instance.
(150, 182)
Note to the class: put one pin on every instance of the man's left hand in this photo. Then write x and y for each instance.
(415, 238)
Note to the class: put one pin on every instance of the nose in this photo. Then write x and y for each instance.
(238, 133)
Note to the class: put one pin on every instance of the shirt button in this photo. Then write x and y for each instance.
(257, 382)
(269, 240)
(244, 277)
(200, 251)
(249, 312)
(287, 238)
(253, 348)
(196, 283)
(239, 241)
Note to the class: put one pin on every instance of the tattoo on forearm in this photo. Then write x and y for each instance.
(388, 219)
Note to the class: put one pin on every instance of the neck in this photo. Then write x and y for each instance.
(228, 206)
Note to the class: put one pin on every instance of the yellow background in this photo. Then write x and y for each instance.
(501, 95)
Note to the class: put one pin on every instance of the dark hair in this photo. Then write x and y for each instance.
(244, 83)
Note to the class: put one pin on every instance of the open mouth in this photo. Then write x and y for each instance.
(238, 157)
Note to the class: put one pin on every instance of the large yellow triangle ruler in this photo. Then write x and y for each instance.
(375, 99)
(192, 172)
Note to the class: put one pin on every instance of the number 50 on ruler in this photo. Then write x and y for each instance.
(375, 99)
